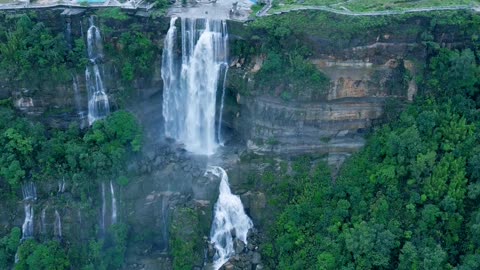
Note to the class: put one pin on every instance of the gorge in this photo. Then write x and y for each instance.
(303, 111)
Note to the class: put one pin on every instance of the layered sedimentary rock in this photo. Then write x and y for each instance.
(334, 124)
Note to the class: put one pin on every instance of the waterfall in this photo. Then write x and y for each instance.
(61, 186)
(229, 216)
(98, 104)
(104, 221)
(77, 97)
(57, 229)
(27, 227)
(114, 204)
(191, 82)
(170, 82)
(94, 41)
(29, 192)
(104, 209)
(68, 34)
(220, 114)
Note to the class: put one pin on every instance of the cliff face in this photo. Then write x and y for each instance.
(333, 125)
(365, 69)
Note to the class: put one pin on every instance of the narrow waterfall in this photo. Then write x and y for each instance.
(104, 209)
(61, 186)
(68, 34)
(112, 217)
(29, 192)
(27, 227)
(98, 104)
(114, 204)
(57, 228)
(191, 82)
(229, 216)
(77, 97)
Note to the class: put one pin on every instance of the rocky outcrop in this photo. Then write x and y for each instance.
(364, 72)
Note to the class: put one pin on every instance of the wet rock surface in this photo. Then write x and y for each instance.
(247, 256)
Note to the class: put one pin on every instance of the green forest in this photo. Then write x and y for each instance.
(408, 200)
(33, 152)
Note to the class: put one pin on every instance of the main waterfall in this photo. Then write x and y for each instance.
(229, 216)
(191, 81)
(98, 105)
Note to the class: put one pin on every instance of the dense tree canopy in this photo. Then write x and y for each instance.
(409, 200)
(31, 152)
(30, 52)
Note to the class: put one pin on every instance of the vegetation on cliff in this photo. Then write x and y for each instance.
(132, 51)
(30, 52)
(32, 152)
(185, 242)
(372, 5)
(409, 199)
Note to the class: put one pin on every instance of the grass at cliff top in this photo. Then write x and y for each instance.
(372, 5)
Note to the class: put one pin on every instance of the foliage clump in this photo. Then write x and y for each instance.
(136, 55)
(112, 13)
(30, 52)
(30, 152)
(185, 246)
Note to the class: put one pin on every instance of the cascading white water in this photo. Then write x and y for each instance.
(57, 229)
(98, 104)
(94, 41)
(170, 83)
(229, 216)
(190, 85)
(27, 227)
(114, 204)
(29, 192)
